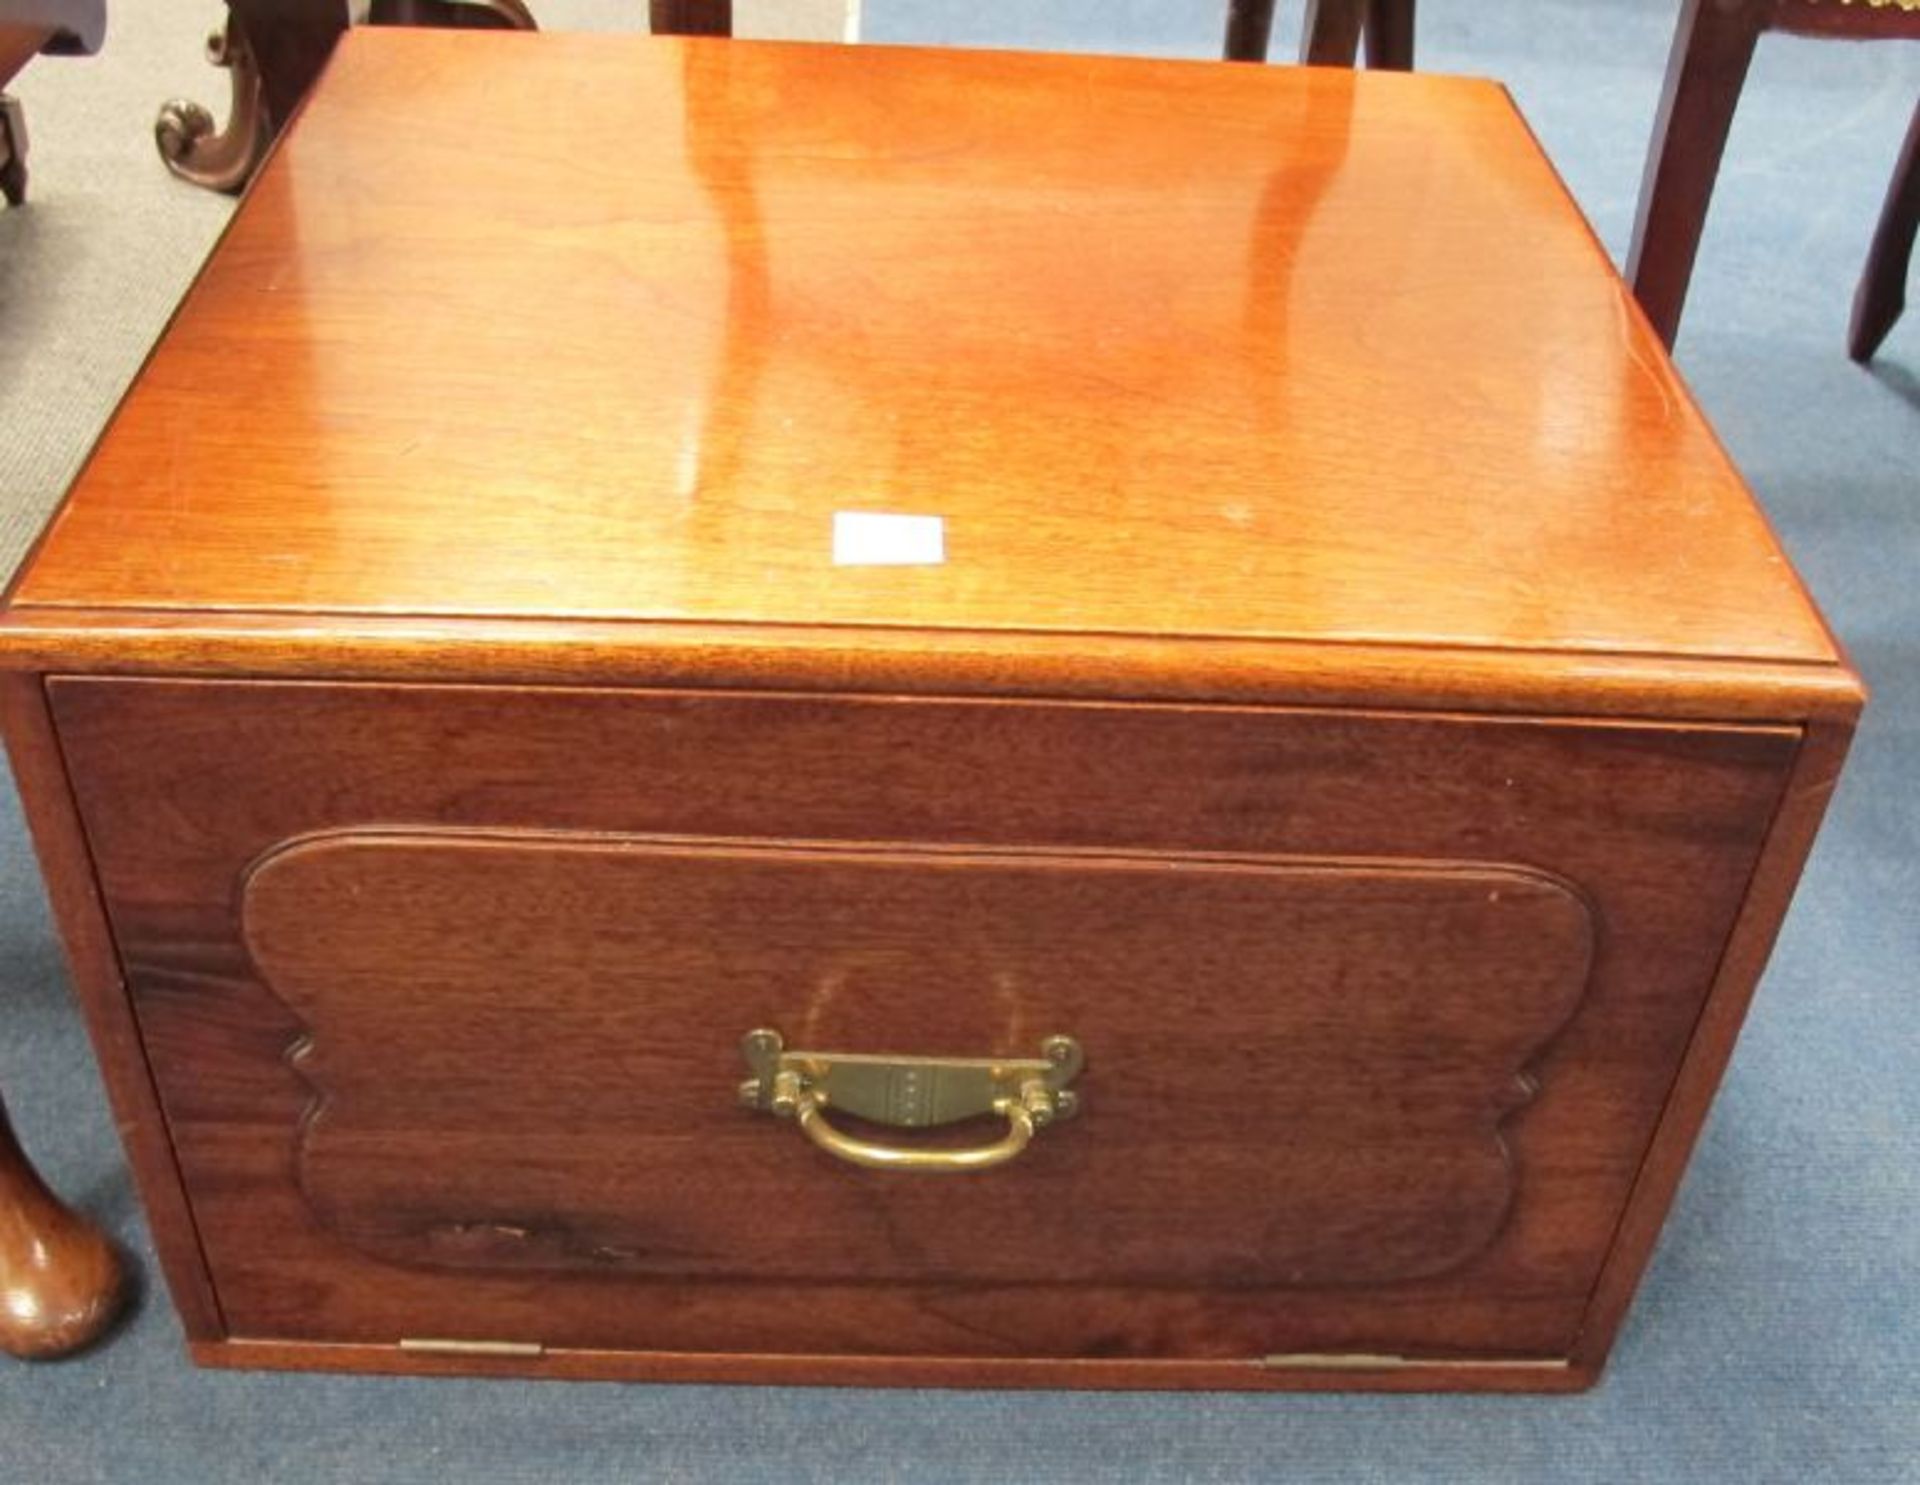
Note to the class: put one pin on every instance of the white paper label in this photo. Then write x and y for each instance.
(872, 538)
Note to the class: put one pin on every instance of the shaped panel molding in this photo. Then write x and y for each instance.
(522, 1050)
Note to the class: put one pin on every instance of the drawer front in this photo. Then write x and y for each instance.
(443, 990)
(1296, 1070)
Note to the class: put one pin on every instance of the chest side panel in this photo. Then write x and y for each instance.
(442, 989)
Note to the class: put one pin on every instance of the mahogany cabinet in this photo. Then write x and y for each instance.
(956, 719)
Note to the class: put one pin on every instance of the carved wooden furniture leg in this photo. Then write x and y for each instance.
(692, 17)
(1330, 32)
(1883, 284)
(60, 1280)
(1712, 49)
(1249, 28)
(194, 149)
(275, 49)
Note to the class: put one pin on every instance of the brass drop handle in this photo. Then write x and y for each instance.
(911, 1092)
(815, 1125)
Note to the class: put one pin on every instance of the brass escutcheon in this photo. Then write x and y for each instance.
(911, 1093)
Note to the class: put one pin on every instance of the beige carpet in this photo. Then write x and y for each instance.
(93, 264)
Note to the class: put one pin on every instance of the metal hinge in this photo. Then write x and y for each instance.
(437, 1347)
(1361, 1361)
(1349, 1361)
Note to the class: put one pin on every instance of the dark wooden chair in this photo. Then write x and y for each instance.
(1712, 49)
(274, 49)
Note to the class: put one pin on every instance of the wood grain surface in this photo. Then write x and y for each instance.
(1174, 349)
(1350, 647)
(1657, 828)
(1299, 1069)
(920, 662)
(73, 894)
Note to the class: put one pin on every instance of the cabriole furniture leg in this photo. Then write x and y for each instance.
(272, 57)
(60, 1280)
(273, 50)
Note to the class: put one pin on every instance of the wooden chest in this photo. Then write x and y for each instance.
(755, 712)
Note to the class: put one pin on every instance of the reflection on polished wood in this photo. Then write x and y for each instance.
(1355, 698)
(1163, 343)
(60, 1280)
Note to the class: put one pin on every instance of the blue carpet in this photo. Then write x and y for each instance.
(1778, 1335)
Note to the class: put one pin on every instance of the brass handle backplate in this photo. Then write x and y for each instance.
(911, 1093)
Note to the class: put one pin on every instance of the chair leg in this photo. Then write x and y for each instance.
(13, 150)
(1883, 284)
(273, 51)
(1390, 34)
(194, 147)
(692, 17)
(457, 15)
(1712, 49)
(1249, 29)
(1330, 32)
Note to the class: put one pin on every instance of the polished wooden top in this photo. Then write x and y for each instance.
(599, 328)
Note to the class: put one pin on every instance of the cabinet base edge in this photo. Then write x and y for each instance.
(1298, 1374)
